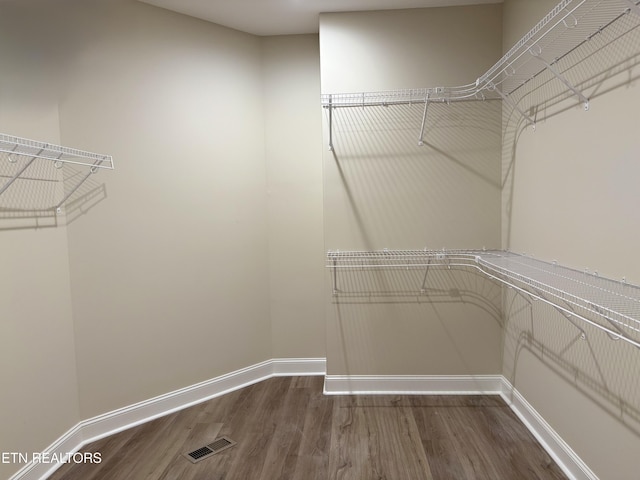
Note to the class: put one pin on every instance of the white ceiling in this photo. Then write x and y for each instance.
(285, 17)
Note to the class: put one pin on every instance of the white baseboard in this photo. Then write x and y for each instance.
(118, 420)
(570, 463)
(101, 426)
(556, 447)
(70, 442)
(109, 423)
(299, 366)
(412, 384)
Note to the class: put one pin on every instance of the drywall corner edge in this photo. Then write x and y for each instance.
(568, 460)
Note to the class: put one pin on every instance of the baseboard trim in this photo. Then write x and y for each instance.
(570, 463)
(101, 426)
(286, 367)
(68, 443)
(133, 415)
(121, 419)
(412, 384)
(124, 418)
(568, 460)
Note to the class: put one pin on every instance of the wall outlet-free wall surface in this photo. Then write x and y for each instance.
(384, 191)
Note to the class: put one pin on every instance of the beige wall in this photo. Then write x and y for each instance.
(207, 229)
(383, 191)
(570, 197)
(206, 254)
(39, 392)
(39, 399)
(293, 143)
(414, 48)
(170, 274)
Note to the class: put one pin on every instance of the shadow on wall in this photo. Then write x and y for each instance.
(607, 61)
(605, 370)
(383, 190)
(428, 285)
(31, 200)
(439, 317)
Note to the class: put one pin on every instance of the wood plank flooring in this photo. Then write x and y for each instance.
(285, 428)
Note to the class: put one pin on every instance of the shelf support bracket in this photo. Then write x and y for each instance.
(330, 123)
(20, 172)
(424, 120)
(513, 104)
(91, 171)
(423, 288)
(565, 312)
(584, 100)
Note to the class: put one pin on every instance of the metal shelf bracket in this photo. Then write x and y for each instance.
(91, 171)
(330, 107)
(424, 120)
(536, 52)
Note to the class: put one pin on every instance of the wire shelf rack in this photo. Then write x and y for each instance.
(32, 177)
(31, 148)
(609, 305)
(560, 41)
(406, 96)
(572, 24)
(569, 25)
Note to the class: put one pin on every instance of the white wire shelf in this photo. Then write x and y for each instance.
(406, 97)
(561, 33)
(29, 167)
(609, 305)
(568, 26)
(32, 148)
(571, 25)
(400, 259)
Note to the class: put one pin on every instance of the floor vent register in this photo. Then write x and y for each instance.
(218, 445)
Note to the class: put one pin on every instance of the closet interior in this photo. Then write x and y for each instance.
(559, 60)
(375, 238)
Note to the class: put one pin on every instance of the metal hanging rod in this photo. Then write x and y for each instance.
(608, 305)
(33, 150)
(571, 24)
